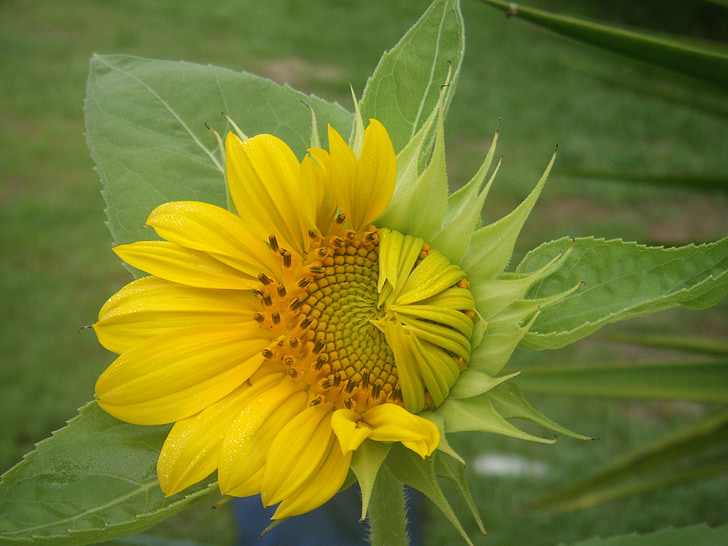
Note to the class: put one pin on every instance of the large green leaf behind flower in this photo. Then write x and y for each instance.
(145, 122)
(622, 281)
(93, 480)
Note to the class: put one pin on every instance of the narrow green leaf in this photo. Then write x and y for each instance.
(692, 441)
(405, 86)
(694, 535)
(145, 122)
(93, 480)
(699, 182)
(682, 343)
(708, 63)
(623, 280)
(696, 381)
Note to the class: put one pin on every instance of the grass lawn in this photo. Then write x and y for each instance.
(57, 268)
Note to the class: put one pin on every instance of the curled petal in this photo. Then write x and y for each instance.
(347, 426)
(393, 423)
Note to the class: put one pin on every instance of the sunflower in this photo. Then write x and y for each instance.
(316, 318)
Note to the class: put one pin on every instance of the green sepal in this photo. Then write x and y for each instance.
(365, 463)
(413, 470)
(497, 346)
(418, 207)
(491, 247)
(473, 383)
(443, 446)
(478, 413)
(508, 401)
(465, 208)
(454, 472)
(492, 296)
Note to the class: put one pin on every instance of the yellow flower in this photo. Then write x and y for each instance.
(283, 336)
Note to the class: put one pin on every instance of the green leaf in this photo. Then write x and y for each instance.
(696, 381)
(707, 62)
(93, 480)
(405, 87)
(145, 123)
(623, 281)
(694, 535)
(693, 443)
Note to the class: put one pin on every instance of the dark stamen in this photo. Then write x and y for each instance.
(265, 279)
(286, 257)
(267, 299)
(273, 243)
(267, 353)
(257, 317)
(318, 346)
(276, 317)
(281, 290)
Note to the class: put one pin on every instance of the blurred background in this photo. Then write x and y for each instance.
(607, 116)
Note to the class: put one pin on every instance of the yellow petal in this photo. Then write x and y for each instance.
(320, 487)
(297, 453)
(150, 306)
(315, 174)
(348, 428)
(184, 266)
(270, 403)
(216, 231)
(363, 187)
(191, 451)
(393, 423)
(179, 373)
(264, 179)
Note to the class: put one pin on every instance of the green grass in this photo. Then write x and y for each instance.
(57, 270)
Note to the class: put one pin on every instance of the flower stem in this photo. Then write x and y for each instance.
(387, 519)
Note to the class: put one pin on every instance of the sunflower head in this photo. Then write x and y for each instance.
(340, 304)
